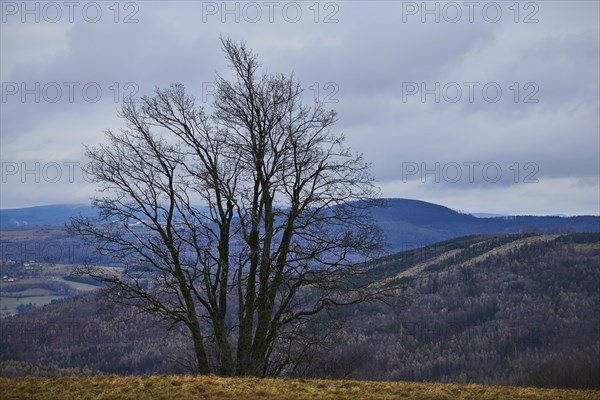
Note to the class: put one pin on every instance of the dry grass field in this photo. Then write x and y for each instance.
(212, 387)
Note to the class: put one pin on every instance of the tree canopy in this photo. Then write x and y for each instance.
(242, 223)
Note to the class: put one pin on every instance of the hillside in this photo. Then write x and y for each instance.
(492, 309)
(215, 388)
(407, 224)
(53, 215)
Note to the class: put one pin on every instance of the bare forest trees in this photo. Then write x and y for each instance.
(242, 224)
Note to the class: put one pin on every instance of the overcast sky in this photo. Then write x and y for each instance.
(478, 106)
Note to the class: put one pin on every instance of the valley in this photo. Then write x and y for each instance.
(490, 309)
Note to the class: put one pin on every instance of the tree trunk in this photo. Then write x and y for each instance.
(203, 368)
(194, 326)
(225, 357)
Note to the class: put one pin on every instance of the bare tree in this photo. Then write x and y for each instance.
(242, 224)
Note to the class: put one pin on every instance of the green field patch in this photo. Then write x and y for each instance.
(47, 284)
(33, 292)
(78, 285)
(8, 305)
(28, 281)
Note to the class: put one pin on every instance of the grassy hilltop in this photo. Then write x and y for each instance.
(217, 388)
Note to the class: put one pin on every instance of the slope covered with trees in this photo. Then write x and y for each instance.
(502, 309)
(494, 309)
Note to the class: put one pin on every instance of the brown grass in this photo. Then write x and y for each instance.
(212, 387)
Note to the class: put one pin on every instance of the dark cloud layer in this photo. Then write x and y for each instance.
(409, 93)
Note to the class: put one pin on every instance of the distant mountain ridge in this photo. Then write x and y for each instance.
(413, 223)
(407, 223)
(51, 215)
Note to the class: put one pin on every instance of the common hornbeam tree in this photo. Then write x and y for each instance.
(242, 224)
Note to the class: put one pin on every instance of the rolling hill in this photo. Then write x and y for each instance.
(407, 224)
(412, 223)
(52, 215)
(491, 309)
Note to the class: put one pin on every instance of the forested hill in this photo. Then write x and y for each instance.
(494, 309)
(513, 309)
(407, 224)
(410, 224)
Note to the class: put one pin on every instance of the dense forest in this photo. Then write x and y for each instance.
(499, 311)
(493, 309)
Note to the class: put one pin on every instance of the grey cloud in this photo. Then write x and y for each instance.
(369, 55)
